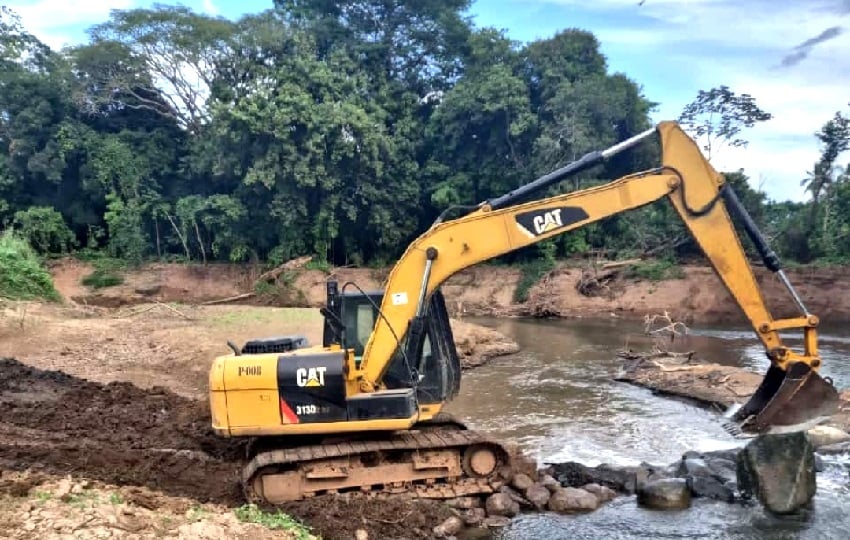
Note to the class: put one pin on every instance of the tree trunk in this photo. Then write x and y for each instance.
(181, 237)
(200, 242)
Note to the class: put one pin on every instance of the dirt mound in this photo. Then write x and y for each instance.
(117, 433)
(340, 516)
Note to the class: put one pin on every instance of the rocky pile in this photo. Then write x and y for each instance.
(533, 492)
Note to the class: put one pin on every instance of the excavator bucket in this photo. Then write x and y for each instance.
(786, 401)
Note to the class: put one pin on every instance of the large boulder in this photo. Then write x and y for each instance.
(826, 436)
(779, 469)
(501, 504)
(665, 494)
(572, 474)
(570, 500)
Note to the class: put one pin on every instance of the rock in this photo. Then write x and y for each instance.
(604, 494)
(549, 482)
(63, 489)
(723, 468)
(501, 504)
(495, 522)
(148, 289)
(516, 496)
(665, 494)
(464, 502)
(449, 527)
(570, 500)
(827, 435)
(473, 517)
(521, 482)
(693, 467)
(648, 473)
(837, 448)
(712, 488)
(574, 474)
(361, 534)
(538, 495)
(779, 469)
(29, 526)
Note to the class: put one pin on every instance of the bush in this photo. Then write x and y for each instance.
(532, 272)
(22, 276)
(107, 270)
(45, 229)
(657, 270)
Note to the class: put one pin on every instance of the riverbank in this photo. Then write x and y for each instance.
(693, 295)
(715, 386)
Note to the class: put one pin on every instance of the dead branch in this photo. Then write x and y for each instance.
(272, 275)
(175, 310)
(619, 264)
(228, 299)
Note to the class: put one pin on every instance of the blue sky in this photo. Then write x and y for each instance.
(791, 56)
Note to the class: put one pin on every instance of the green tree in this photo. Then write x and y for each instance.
(717, 116)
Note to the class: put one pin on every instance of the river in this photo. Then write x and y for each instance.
(557, 401)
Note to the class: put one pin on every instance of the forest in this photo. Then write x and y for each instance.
(341, 130)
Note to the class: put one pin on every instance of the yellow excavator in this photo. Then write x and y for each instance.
(362, 411)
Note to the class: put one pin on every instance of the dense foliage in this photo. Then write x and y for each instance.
(338, 129)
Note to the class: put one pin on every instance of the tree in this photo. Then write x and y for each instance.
(717, 117)
(824, 184)
(180, 50)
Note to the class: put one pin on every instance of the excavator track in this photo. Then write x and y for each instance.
(439, 459)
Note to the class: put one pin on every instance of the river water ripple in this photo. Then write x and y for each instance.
(557, 400)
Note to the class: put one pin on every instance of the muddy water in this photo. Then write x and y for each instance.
(556, 399)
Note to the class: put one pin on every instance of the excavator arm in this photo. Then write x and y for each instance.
(791, 393)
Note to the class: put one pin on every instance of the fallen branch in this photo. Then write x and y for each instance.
(228, 299)
(272, 275)
(175, 310)
(618, 264)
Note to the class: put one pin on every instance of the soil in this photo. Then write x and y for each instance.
(117, 433)
(114, 398)
(484, 290)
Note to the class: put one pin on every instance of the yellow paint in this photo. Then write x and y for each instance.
(259, 428)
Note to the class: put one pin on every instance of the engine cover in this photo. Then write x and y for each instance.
(312, 387)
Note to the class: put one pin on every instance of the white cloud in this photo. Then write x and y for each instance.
(209, 7)
(59, 22)
(706, 43)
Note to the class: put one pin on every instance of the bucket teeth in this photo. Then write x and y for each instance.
(792, 400)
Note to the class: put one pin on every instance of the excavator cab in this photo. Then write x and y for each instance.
(431, 366)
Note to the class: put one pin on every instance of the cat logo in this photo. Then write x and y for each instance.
(548, 221)
(539, 222)
(310, 377)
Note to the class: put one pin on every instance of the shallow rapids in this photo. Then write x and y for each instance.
(557, 400)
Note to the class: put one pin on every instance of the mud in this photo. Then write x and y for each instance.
(339, 517)
(52, 422)
(155, 445)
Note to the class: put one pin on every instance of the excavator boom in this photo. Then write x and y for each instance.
(792, 391)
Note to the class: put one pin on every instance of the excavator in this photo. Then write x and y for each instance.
(363, 411)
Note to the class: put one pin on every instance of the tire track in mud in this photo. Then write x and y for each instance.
(117, 433)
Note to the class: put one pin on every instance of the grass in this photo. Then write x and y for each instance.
(107, 270)
(532, 272)
(250, 513)
(22, 275)
(655, 270)
(260, 315)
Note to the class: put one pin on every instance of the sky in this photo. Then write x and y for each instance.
(791, 56)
